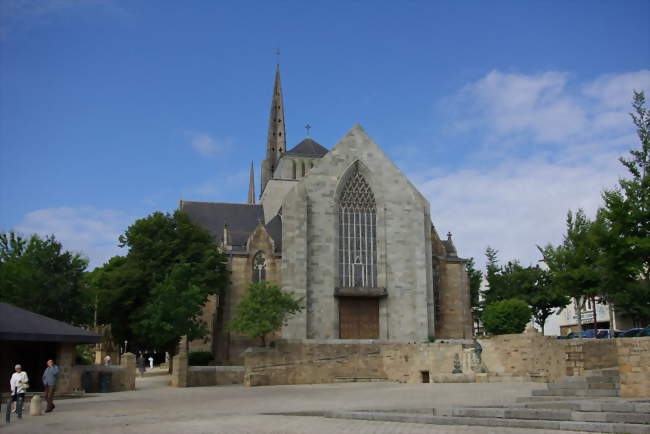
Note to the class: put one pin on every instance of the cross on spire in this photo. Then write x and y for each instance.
(308, 127)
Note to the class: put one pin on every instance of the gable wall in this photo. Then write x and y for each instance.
(403, 245)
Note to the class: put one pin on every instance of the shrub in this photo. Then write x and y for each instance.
(199, 358)
(506, 316)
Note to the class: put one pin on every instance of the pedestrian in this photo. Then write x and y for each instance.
(107, 360)
(50, 377)
(19, 383)
(150, 362)
(140, 363)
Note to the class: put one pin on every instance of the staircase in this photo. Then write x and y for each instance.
(595, 384)
(586, 403)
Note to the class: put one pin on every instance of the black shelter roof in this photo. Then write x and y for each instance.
(18, 324)
(308, 148)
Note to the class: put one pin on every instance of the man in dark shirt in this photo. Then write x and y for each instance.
(50, 377)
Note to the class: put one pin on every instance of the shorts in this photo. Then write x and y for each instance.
(14, 398)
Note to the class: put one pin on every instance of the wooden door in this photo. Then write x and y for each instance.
(358, 318)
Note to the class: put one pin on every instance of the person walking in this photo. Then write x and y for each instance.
(50, 377)
(107, 360)
(140, 363)
(150, 362)
(19, 383)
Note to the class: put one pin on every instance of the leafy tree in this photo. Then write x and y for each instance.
(163, 249)
(576, 264)
(537, 289)
(626, 214)
(174, 309)
(37, 274)
(506, 316)
(264, 309)
(475, 278)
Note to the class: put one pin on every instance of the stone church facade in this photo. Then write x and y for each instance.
(345, 230)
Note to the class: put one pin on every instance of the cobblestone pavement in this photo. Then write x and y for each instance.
(157, 409)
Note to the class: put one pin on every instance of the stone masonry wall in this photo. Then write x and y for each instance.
(214, 375)
(633, 360)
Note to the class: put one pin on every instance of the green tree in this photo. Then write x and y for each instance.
(576, 264)
(37, 274)
(626, 215)
(161, 247)
(264, 309)
(174, 309)
(475, 278)
(536, 288)
(506, 316)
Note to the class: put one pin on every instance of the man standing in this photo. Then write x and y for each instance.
(49, 381)
(19, 383)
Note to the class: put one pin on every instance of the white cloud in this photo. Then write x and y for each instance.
(88, 231)
(516, 202)
(614, 91)
(205, 145)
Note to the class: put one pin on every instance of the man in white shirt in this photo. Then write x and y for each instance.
(19, 383)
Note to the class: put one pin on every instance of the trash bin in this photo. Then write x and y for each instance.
(87, 381)
(105, 379)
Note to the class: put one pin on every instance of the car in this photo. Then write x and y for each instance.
(605, 333)
(629, 333)
(644, 332)
(587, 334)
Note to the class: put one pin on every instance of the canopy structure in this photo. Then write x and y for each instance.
(18, 324)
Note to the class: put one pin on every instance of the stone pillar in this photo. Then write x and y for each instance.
(128, 363)
(35, 406)
(179, 370)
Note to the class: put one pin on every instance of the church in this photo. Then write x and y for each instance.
(346, 231)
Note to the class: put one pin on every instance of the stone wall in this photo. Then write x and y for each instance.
(214, 375)
(307, 363)
(122, 377)
(633, 360)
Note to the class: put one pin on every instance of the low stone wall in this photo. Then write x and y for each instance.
(309, 363)
(122, 377)
(633, 361)
(316, 362)
(198, 376)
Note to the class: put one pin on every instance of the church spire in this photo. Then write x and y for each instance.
(276, 140)
(251, 186)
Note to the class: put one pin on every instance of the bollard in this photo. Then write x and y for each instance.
(35, 406)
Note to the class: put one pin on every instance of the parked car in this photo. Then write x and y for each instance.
(644, 332)
(629, 333)
(587, 334)
(604, 334)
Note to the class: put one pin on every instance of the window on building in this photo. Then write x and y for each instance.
(259, 267)
(357, 233)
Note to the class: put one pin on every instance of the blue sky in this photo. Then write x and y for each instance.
(505, 114)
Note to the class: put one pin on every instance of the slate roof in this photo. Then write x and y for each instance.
(308, 148)
(274, 228)
(242, 219)
(18, 324)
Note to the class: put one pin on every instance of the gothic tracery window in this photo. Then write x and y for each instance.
(259, 267)
(357, 233)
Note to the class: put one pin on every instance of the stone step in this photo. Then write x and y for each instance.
(606, 427)
(589, 380)
(546, 414)
(610, 372)
(592, 405)
(577, 386)
(359, 379)
(575, 392)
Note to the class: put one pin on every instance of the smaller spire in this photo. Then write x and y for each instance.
(449, 236)
(251, 186)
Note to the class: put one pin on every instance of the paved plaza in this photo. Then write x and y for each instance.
(155, 408)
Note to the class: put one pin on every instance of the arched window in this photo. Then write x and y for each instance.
(357, 233)
(293, 168)
(302, 164)
(259, 267)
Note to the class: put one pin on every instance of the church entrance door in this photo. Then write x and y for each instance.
(358, 318)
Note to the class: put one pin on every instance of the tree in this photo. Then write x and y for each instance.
(475, 278)
(161, 247)
(626, 214)
(543, 297)
(576, 264)
(174, 310)
(264, 309)
(506, 316)
(37, 274)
